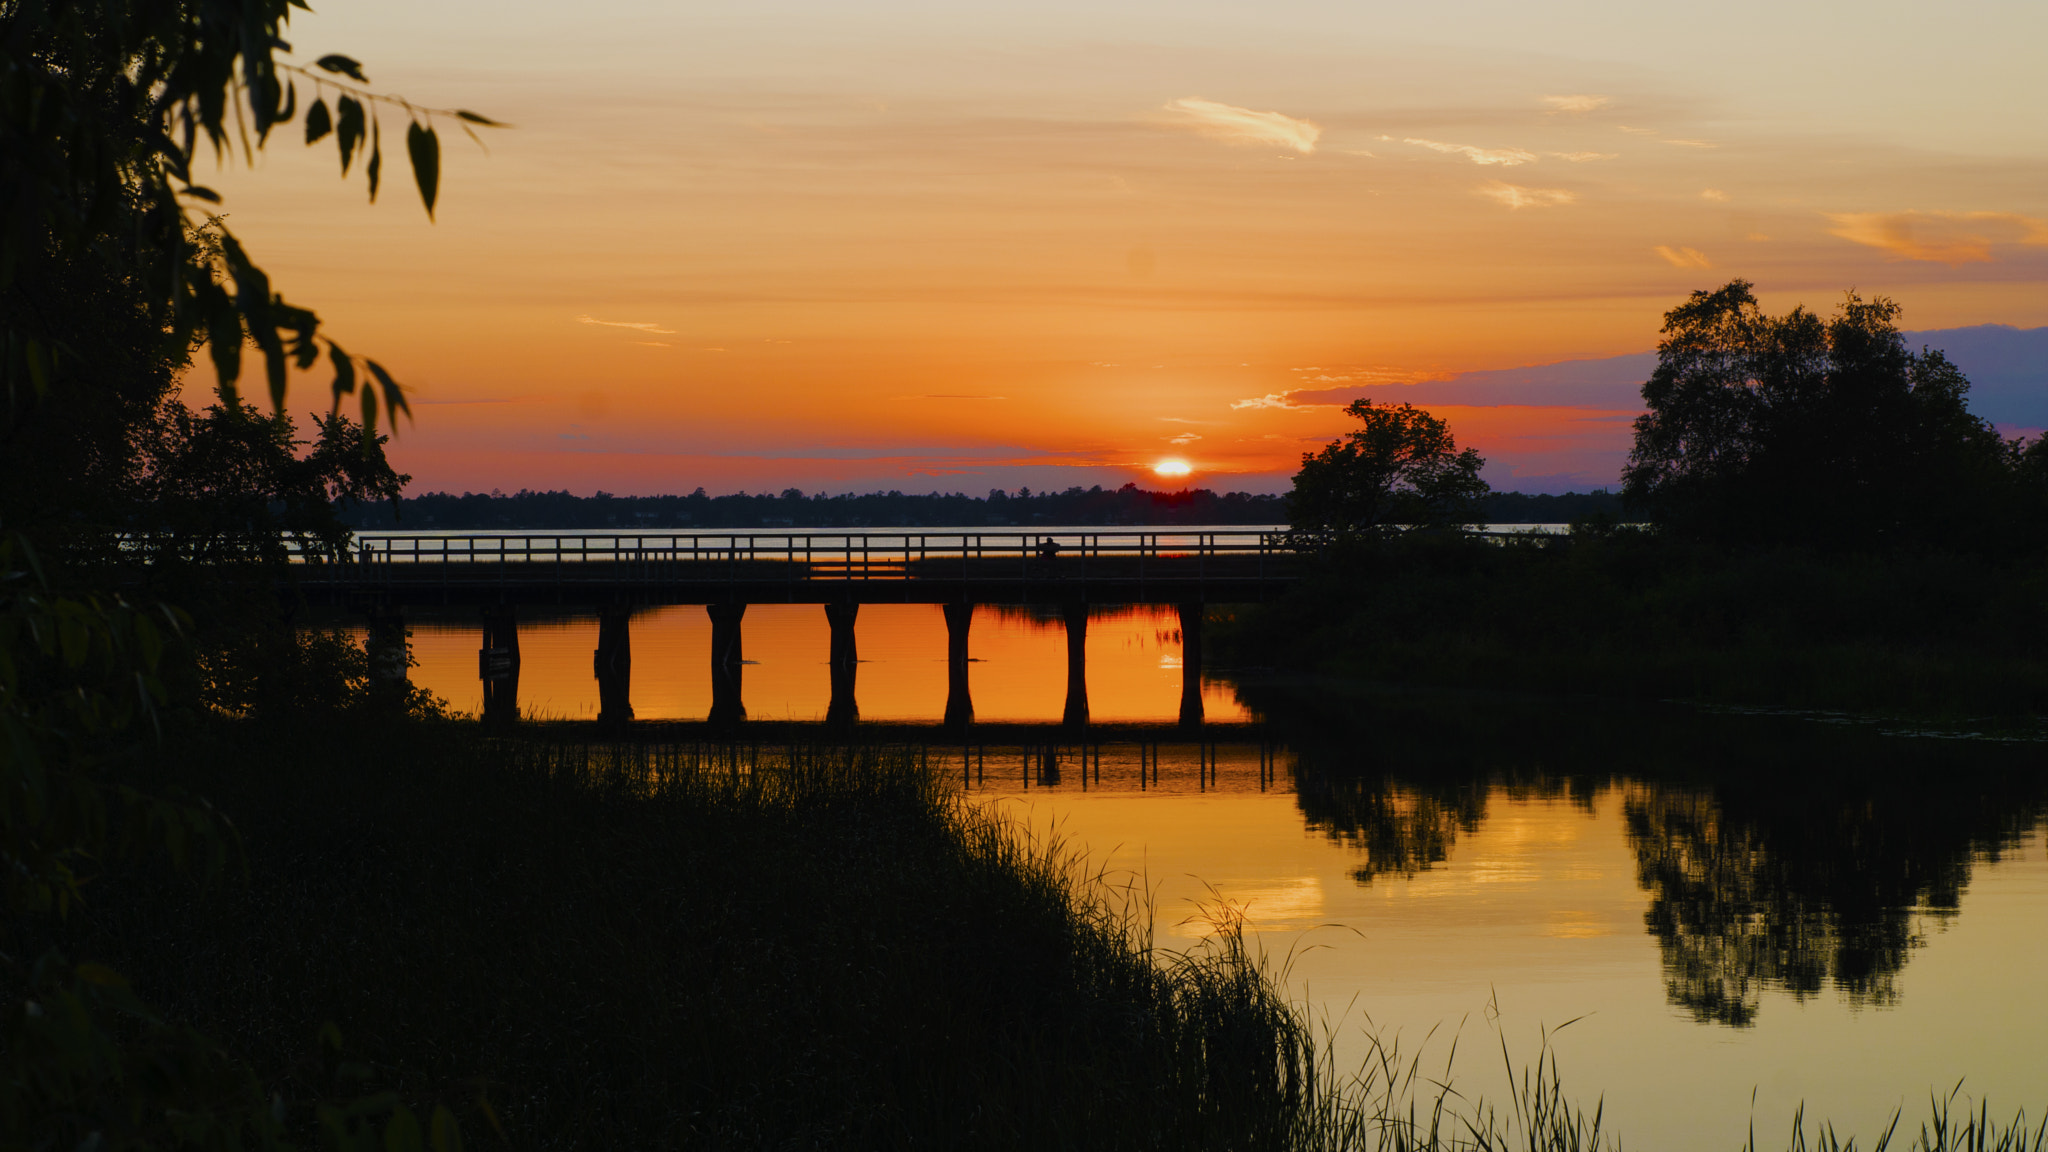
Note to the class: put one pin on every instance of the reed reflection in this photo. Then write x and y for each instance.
(1777, 855)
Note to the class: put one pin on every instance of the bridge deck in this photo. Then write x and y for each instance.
(808, 567)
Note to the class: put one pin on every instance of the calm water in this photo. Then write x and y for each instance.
(1721, 905)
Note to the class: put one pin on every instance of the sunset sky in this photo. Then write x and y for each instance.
(945, 246)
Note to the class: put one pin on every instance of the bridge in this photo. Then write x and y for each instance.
(618, 573)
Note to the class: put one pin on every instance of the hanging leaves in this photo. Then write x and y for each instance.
(425, 149)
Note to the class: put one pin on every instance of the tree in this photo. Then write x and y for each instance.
(1401, 470)
(1765, 429)
(104, 107)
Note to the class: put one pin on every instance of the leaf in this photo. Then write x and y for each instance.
(199, 192)
(402, 1131)
(343, 65)
(480, 118)
(344, 372)
(376, 158)
(318, 123)
(349, 128)
(394, 395)
(425, 148)
(444, 1134)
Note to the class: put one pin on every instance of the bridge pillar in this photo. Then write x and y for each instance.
(1191, 665)
(1076, 714)
(613, 665)
(389, 655)
(497, 665)
(959, 701)
(726, 709)
(843, 711)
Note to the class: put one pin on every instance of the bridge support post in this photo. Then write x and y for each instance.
(959, 700)
(389, 656)
(497, 665)
(726, 709)
(1076, 713)
(613, 665)
(843, 711)
(1191, 665)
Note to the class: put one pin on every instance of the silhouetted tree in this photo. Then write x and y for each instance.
(1401, 470)
(1794, 429)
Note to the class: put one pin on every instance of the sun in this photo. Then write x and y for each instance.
(1174, 468)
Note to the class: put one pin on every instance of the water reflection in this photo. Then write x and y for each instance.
(1777, 854)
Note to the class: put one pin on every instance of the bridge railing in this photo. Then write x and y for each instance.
(847, 555)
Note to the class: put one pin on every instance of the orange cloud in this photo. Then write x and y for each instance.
(1516, 196)
(1245, 126)
(1951, 238)
(1505, 157)
(1684, 257)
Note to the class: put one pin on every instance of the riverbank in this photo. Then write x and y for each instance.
(586, 946)
(1631, 616)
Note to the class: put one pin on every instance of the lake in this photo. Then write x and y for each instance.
(1718, 905)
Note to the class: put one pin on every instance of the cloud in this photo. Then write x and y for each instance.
(1577, 103)
(1516, 196)
(1693, 143)
(1505, 157)
(1185, 438)
(1582, 157)
(1684, 257)
(1639, 131)
(1714, 194)
(1244, 126)
(654, 328)
(1282, 400)
(1950, 238)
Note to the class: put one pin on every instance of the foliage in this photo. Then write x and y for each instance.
(1767, 429)
(1401, 470)
(230, 484)
(104, 108)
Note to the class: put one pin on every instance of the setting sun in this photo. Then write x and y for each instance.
(1172, 468)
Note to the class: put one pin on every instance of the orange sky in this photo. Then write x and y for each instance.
(934, 248)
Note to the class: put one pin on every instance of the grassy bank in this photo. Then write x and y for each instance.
(1924, 634)
(661, 946)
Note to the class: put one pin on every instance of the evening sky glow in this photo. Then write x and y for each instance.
(936, 247)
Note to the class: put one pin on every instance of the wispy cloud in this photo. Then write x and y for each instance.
(1951, 238)
(1516, 196)
(1639, 131)
(652, 343)
(1245, 126)
(1693, 143)
(1581, 102)
(1185, 438)
(1714, 194)
(1582, 157)
(1684, 257)
(1505, 157)
(1282, 400)
(637, 327)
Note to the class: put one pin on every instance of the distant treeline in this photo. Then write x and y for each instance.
(1129, 505)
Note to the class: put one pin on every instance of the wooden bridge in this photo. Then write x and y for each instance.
(615, 574)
